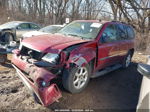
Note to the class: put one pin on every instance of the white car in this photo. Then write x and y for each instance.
(45, 30)
(144, 98)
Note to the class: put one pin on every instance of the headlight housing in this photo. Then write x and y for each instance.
(51, 58)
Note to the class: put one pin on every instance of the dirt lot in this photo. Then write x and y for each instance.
(116, 90)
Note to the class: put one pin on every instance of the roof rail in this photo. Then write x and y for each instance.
(119, 21)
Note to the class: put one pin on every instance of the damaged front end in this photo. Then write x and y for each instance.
(37, 79)
(42, 63)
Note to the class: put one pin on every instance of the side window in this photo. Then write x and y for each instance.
(121, 33)
(23, 26)
(33, 26)
(130, 32)
(109, 34)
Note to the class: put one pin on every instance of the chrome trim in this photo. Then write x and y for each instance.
(101, 59)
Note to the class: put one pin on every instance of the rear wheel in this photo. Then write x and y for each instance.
(76, 79)
(127, 60)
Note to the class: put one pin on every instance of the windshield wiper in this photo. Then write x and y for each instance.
(57, 33)
(73, 35)
(76, 35)
(88, 38)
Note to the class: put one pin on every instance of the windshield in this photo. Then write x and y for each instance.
(50, 29)
(10, 24)
(86, 30)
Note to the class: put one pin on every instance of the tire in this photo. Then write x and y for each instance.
(8, 37)
(127, 60)
(76, 79)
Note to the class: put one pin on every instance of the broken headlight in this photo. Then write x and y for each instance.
(51, 58)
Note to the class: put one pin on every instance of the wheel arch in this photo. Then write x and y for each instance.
(92, 64)
(132, 51)
(83, 59)
(9, 31)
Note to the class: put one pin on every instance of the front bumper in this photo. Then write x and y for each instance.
(46, 95)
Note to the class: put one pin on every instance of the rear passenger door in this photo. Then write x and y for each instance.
(108, 47)
(122, 41)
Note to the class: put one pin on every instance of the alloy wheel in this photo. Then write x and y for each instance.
(80, 77)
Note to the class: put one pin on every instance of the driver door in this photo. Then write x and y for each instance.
(108, 47)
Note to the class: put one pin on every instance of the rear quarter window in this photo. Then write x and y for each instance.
(33, 26)
(130, 32)
(121, 32)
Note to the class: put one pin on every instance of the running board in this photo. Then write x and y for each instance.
(106, 70)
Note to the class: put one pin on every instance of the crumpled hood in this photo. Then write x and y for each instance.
(51, 41)
(4, 27)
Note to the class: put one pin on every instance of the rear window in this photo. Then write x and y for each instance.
(33, 26)
(130, 32)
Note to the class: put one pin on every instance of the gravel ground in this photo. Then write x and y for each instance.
(116, 90)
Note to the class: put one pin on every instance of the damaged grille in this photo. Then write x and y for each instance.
(31, 53)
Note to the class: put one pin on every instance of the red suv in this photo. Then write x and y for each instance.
(81, 50)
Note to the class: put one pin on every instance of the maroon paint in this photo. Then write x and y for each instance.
(47, 95)
(90, 50)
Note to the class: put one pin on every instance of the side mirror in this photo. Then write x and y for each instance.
(144, 69)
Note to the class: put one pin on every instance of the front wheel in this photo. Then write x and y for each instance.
(76, 79)
(8, 37)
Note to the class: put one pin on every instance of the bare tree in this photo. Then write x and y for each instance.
(136, 13)
(75, 9)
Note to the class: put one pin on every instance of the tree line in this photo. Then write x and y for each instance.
(134, 12)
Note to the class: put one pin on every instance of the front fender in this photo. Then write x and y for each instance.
(82, 58)
(10, 30)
